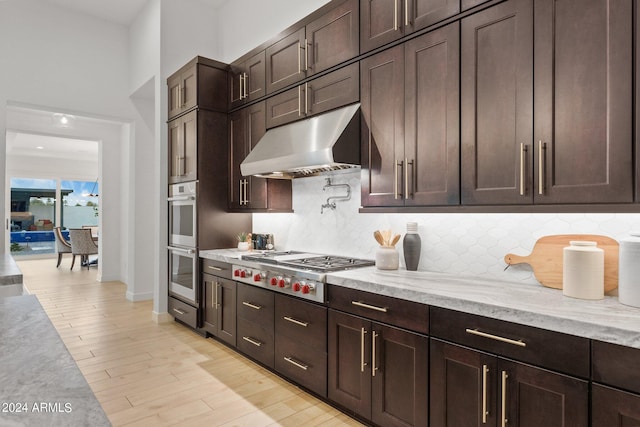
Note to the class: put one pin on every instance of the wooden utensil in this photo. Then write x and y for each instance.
(395, 240)
(546, 258)
(378, 237)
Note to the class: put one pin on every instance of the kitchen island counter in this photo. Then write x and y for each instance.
(40, 382)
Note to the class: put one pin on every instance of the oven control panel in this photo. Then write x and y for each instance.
(279, 282)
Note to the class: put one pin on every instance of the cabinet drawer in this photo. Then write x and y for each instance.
(616, 365)
(217, 268)
(183, 312)
(255, 305)
(255, 341)
(301, 321)
(406, 314)
(302, 364)
(553, 350)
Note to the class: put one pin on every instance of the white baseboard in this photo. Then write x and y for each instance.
(161, 317)
(144, 296)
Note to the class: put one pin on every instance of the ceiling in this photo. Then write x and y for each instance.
(32, 145)
(119, 11)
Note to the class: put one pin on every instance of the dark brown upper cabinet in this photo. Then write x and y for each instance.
(410, 136)
(247, 80)
(383, 21)
(332, 90)
(325, 42)
(200, 82)
(559, 131)
(183, 148)
(250, 193)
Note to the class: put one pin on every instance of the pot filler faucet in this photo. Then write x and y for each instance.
(331, 201)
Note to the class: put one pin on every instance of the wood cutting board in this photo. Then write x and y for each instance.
(546, 258)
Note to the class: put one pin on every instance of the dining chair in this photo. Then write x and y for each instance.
(82, 244)
(62, 245)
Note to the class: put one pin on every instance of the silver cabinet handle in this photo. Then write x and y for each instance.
(406, 13)
(523, 151)
(306, 99)
(218, 287)
(370, 307)
(246, 191)
(519, 343)
(374, 368)
(246, 86)
(297, 322)
(298, 364)
(299, 58)
(306, 55)
(362, 362)
(541, 161)
(240, 192)
(183, 91)
(180, 312)
(300, 101)
(252, 341)
(395, 15)
(406, 177)
(212, 267)
(396, 194)
(248, 304)
(485, 371)
(503, 412)
(241, 80)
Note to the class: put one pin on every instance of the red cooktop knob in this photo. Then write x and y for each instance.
(281, 283)
(306, 289)
(296, 287)
(236, 273)
(243, 273)
(257, 277)
(273, 281)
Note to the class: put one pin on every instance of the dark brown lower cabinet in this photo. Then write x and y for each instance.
(614, 408)
(255, 307)
(472, 388)
(220, 308)
(377, 371)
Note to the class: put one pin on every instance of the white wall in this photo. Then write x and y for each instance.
(245, 24)
(57, 60)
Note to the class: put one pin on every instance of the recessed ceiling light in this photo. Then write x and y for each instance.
(40, 147)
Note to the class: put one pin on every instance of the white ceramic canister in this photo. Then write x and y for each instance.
(387, 258)
(583, 270)
(629, 270)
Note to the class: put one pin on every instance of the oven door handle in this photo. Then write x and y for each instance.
(185, 251)
(181, 198)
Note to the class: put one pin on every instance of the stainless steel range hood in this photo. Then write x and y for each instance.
(327, 142)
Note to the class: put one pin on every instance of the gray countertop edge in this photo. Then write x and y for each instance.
(533, 305)
(10, 274)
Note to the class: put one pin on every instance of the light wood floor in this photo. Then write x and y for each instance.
(145, 374)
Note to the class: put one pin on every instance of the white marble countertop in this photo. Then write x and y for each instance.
(533, 305)
(40, 383)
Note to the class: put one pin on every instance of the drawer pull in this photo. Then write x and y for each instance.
(298, 364)
(248, 304)
(214, 268)
(519, 343)
(180, 312)
(374, 368)
(297, 322)
(363, 331)
(370, 307)
(252, 341)
(485, 371)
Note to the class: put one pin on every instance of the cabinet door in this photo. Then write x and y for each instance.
(226, 290)
(285, 107)
(380, 23)
(349, 356)
(432, 100)
(496, 93)
(174, 86)
(254, 84)
(463, 386)
(614, 408)
(256, 188)
(532, 397)
(285, 62)
(190, 87)
(210, 304)
(382, 145)
(333, 90)
(236, 85)
(333, 38)
(400, 377)
(183, 148)
(583, 92)
(420, 14)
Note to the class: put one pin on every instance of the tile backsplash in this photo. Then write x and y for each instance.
(459, 243)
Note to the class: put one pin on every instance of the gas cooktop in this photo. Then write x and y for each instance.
(308, 261)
